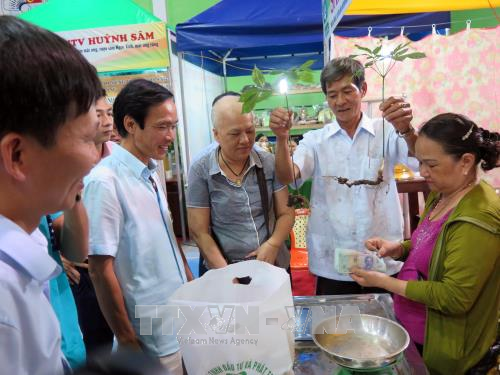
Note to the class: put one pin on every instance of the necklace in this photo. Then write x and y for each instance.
(238, 179)
(445, 202)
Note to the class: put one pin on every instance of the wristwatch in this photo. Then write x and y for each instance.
(406, 133)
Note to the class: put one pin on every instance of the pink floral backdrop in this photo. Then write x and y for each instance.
(460, 74)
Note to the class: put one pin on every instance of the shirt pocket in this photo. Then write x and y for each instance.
(329, 171)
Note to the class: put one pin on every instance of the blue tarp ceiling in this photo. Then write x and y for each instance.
(258, 28)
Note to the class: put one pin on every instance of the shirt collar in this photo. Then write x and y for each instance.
(134, 164)
(27, 251)
(366, 123)
(214, 167)
(106, 149)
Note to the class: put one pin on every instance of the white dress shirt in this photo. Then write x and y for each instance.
(30, 338)
(131, 222)
(343, 217)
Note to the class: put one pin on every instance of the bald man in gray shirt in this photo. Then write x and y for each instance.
(225, 211)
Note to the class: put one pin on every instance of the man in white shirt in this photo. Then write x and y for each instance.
(47, 129)
(351, 162)
(104, 111)
(97, 335)
(134, 259)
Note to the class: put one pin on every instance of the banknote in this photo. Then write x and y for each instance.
(345, 259)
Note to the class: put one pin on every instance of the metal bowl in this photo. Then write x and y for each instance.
(375, 343)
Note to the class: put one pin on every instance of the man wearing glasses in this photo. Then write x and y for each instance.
(134, 260)
(354, 196)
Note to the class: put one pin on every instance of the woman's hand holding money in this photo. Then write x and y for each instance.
(376, 279)
(384, 248)
(368, 278)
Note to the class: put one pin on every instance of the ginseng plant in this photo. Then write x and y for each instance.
(261, 90)
(381, 60)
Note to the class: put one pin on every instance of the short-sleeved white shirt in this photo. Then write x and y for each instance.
(345, 217)
(30, 336)
(127, 224)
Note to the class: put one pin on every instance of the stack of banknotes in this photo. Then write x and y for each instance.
(345, 259)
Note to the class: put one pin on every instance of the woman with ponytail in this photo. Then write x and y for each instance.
(447, 295)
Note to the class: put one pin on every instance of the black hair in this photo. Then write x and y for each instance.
(224, 94)
(103, 94)
(341, 67)
(458, 135)
(135, 100)
(44, 81)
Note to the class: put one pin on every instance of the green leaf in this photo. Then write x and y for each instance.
(399, 57)
(369, 63)
(396, 49)
(377, 50)
(363, 48)
(405, 44)
(401, 52)
(401, 46)
(252, 95)
(263, 95)
(258, 77)
(248, 87)
(306, 76)
(249, 105)
(267, 86)
(249, 93)
(307, 64)
(415, 55)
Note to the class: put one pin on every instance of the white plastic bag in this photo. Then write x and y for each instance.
(247, 326)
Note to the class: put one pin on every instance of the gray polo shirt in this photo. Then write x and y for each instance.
(236, 214)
